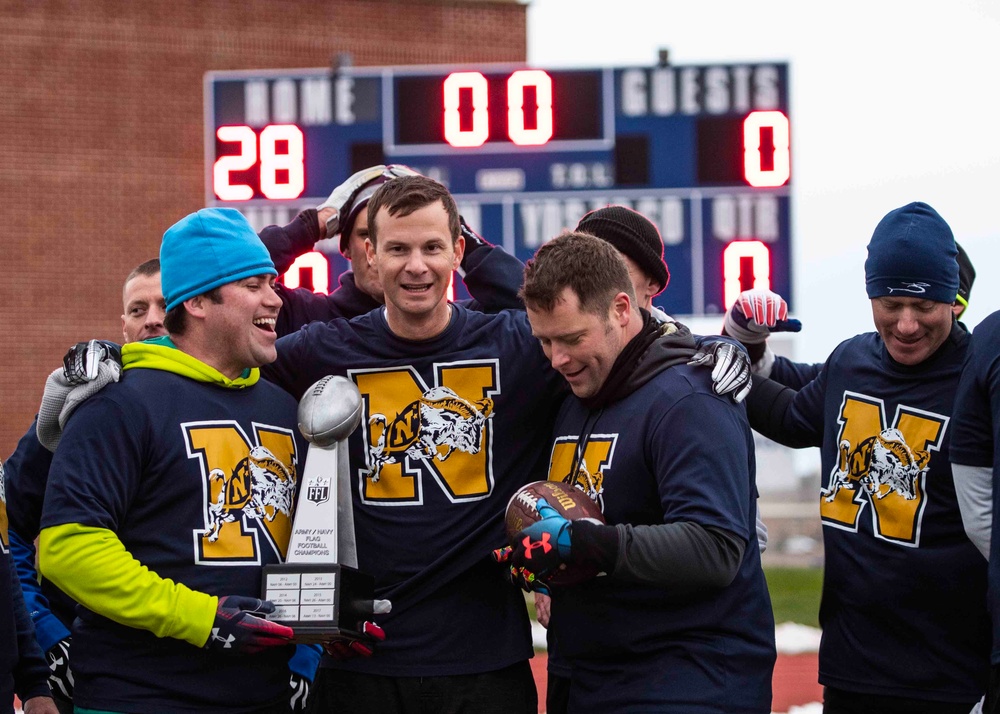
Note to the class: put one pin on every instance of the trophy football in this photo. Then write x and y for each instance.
(318, 590)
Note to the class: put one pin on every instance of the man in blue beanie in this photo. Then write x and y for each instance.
(172, 487)
(904, 617)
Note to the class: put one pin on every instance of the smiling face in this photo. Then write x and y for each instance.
(238, 331)
(144, 307)
(912, 329)
(583, 346)
(415, 258)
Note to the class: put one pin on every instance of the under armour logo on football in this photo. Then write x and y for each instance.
(227, 642)
(530, 545)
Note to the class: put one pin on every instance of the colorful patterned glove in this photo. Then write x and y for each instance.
(346, 647)
(756, 314)
(238, 630)
(82, 360)
(544, 545)
(519, 577)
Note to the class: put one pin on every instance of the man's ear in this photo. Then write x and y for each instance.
(622, 308)
(370, 252)
(196, 306)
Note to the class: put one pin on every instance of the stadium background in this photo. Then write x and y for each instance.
(101, 105)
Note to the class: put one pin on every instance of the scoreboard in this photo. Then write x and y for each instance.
(702, 151)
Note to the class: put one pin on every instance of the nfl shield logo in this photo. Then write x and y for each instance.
(318, 491)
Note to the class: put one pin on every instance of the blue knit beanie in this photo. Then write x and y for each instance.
(912, 253)
(207, 249)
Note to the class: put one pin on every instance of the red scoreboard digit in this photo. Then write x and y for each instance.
(704, 151)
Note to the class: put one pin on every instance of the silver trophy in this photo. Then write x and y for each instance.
(318, 590)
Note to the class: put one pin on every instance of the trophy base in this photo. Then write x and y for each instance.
(319, 601)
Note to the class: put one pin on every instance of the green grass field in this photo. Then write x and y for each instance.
(795, 594)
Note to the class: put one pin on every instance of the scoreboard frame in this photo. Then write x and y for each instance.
(667, 143)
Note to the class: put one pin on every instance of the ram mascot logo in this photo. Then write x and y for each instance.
(259, 487)
(591, 484)
(433, 426)
(880, 465)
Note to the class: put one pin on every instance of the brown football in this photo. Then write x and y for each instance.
(570, 502)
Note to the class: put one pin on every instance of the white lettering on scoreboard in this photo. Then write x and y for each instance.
(663, 91)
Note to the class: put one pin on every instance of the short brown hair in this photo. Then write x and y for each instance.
(591, 267)
(176, 319)
(150, 268)
(406, 194)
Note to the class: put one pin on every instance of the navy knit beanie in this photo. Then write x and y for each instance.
(912, 253)
(207, 249)
(631, 233)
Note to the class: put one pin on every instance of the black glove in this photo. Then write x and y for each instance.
(346, 646)
(472, 239)
(238, 630)
(61, 677)
(300, 693)
(82, 360)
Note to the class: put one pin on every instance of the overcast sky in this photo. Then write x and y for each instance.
(891, 102)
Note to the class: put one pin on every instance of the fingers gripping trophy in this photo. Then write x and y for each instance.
(318, 590)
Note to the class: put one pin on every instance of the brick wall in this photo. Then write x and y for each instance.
(102, 122)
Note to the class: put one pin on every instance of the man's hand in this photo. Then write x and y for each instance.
(544, 545)
(40, 705)
(81, 363)
(238, 630)
(347, 647)
(730, 369)
(344, 195)
(299, 692)
(61, 678)
(756, 314)
(543, 609)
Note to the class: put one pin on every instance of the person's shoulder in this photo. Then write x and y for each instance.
(683, 380)
(511, 319)
(859, 345)
(327, 331)
(988, 328)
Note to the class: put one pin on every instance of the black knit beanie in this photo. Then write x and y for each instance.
(966, 274)
(631, 233)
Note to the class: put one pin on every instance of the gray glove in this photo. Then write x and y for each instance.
(61, 398)
(343, 196)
